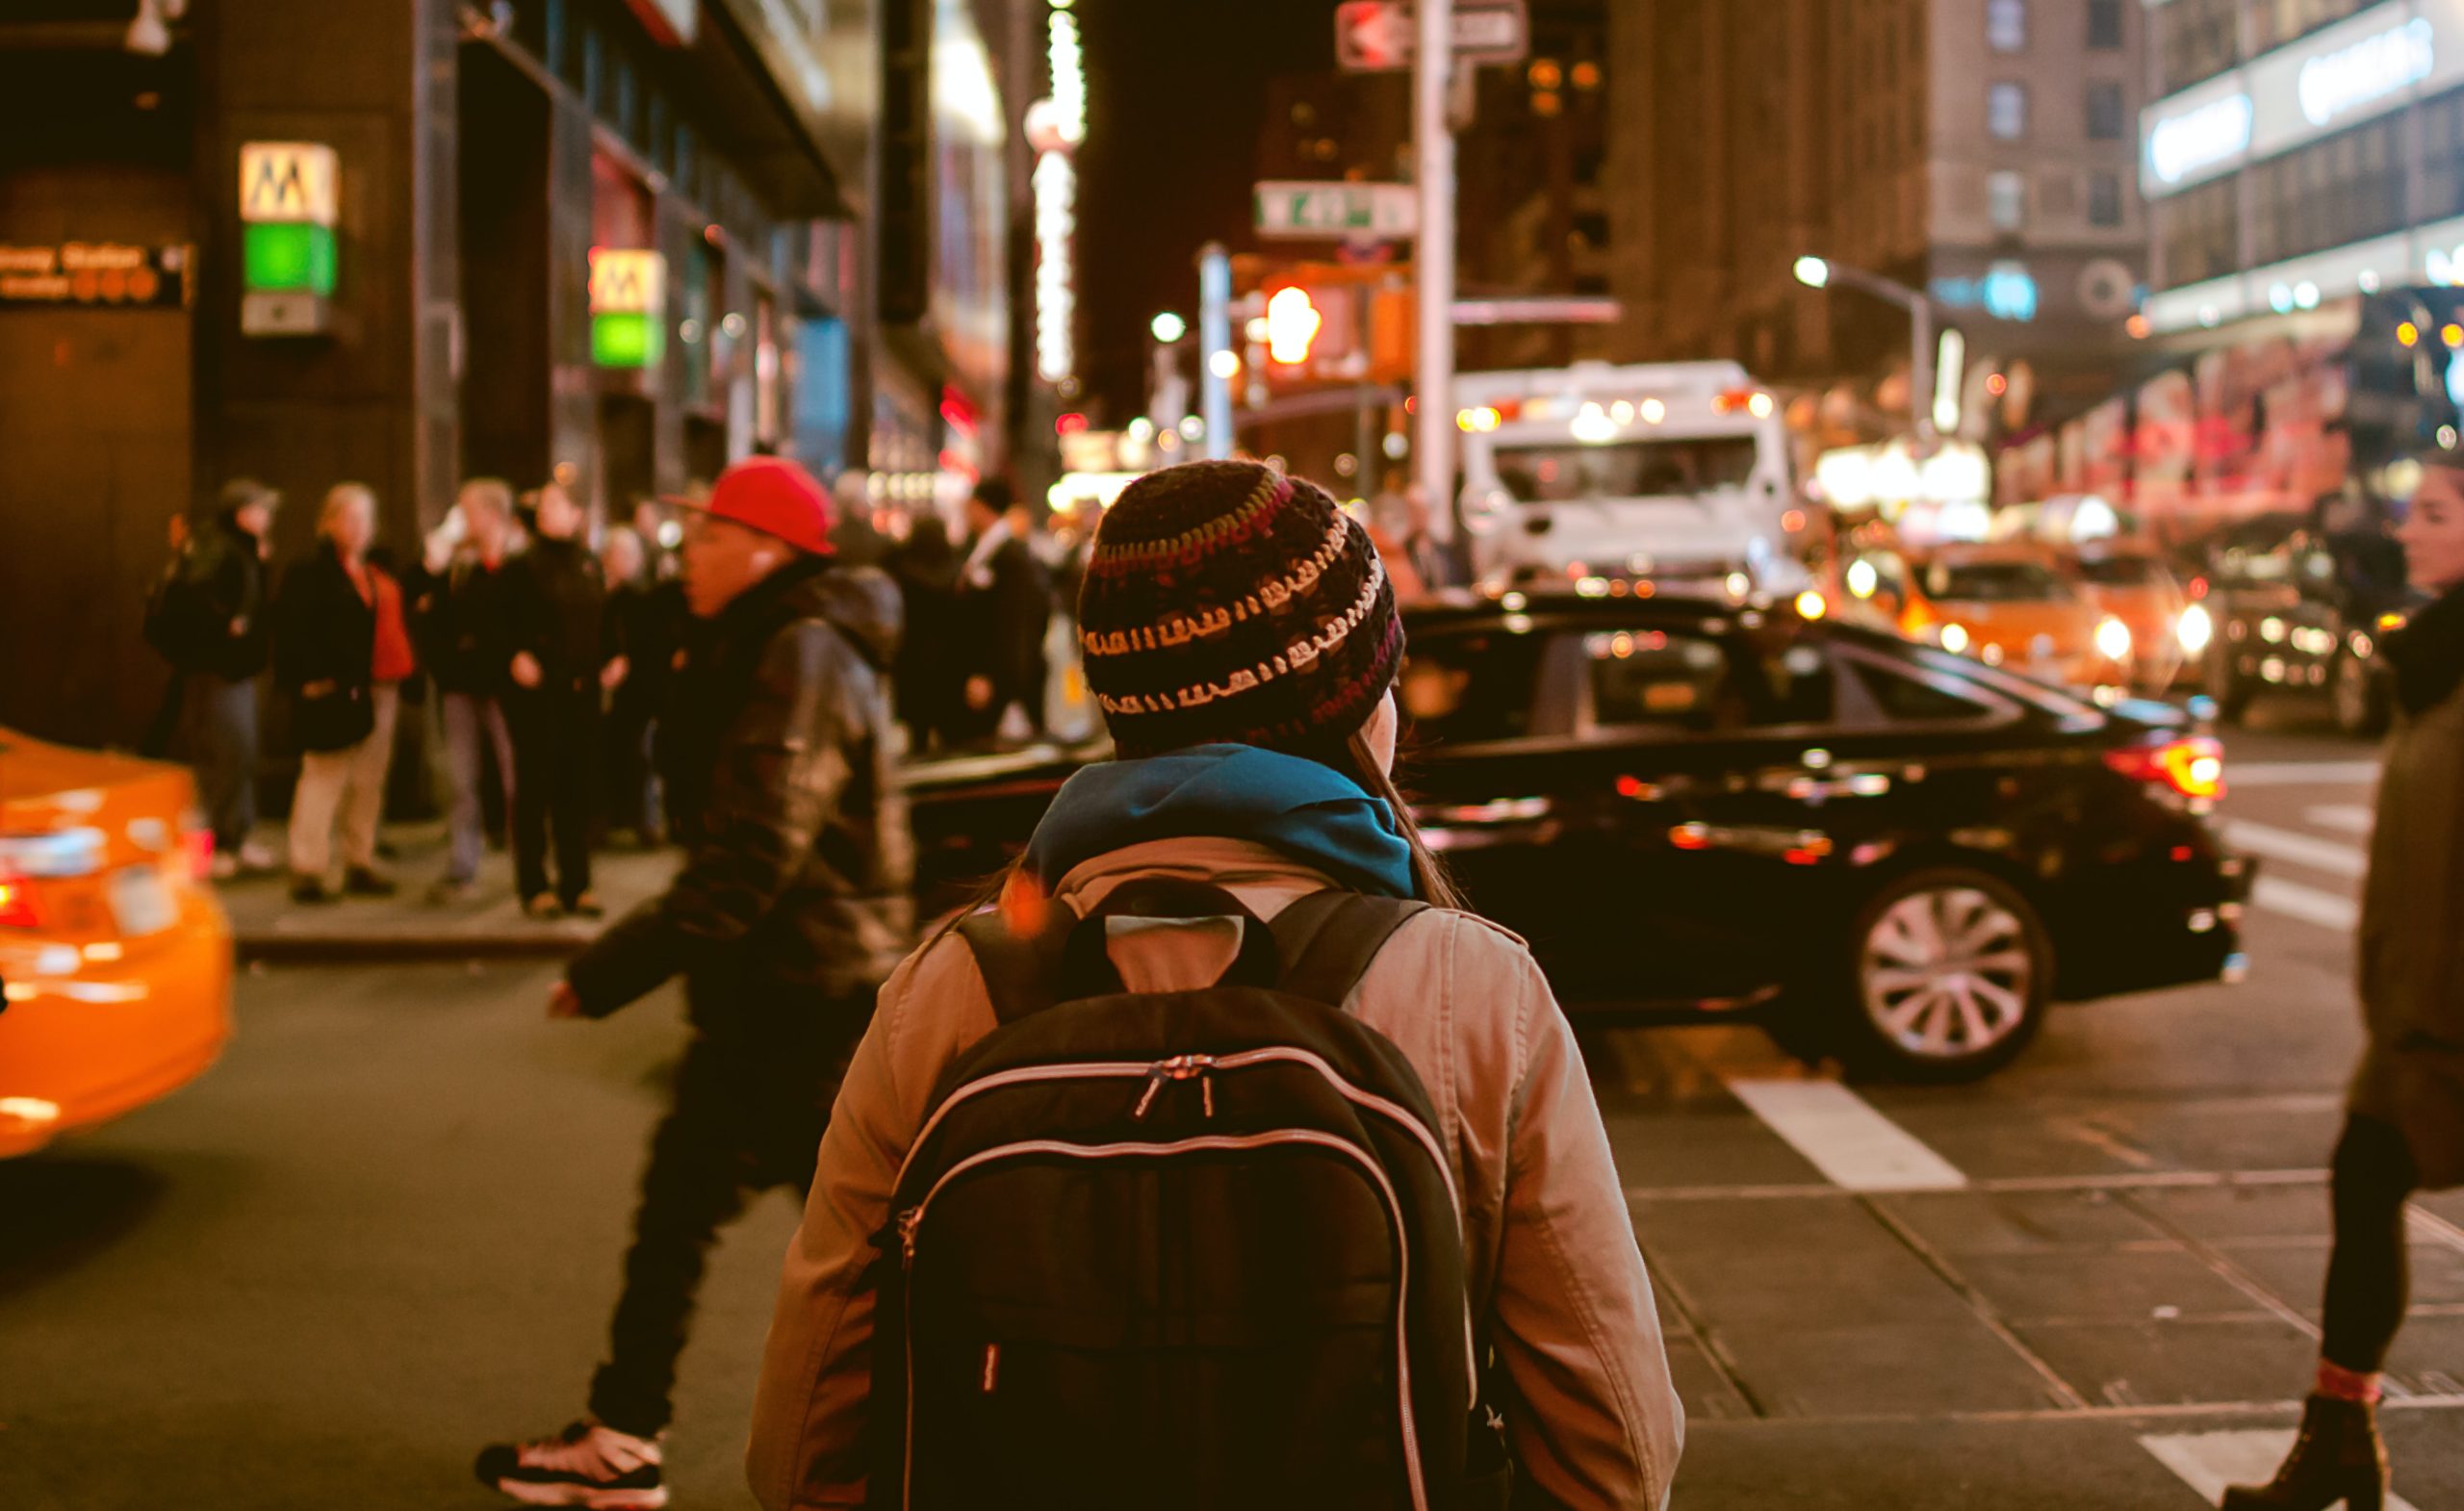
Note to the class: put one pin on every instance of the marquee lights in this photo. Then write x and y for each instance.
(1058, 125)
(2338, 82)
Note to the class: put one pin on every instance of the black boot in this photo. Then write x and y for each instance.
(2339, 1456)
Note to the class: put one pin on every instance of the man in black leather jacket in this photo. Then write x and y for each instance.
(791, 907)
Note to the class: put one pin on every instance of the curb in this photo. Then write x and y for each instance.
(365, 949)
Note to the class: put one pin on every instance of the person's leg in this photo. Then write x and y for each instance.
(239, 715)
(2339, 1455)
(2369, 1278)
(534, 780)
(574, 799)
(364, 807)
(495, 721)
(321, 776)
(465, 826)
(221, 777)
(696, 1182)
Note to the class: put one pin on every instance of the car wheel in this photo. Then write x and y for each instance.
(1950, 972)
(2353, 692)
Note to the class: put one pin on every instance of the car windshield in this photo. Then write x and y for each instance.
(1995, 582)
(2122, 572)
(1626, 469)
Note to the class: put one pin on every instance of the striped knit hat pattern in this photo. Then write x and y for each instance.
(1225, 602)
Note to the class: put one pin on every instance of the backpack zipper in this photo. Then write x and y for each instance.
(1156, 1072)
(913, 1218)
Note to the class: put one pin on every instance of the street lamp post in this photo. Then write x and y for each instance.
(1820, 272)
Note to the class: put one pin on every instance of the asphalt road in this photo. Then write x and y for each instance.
(386, 1229)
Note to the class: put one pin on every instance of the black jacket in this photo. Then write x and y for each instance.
(463, 620)
(798, 856)
(1005, 608)
(646, 626)
(557, 600)
(325, 633)
(209, 612)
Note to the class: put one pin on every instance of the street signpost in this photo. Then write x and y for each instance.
(1295, 209)
(1377, 35)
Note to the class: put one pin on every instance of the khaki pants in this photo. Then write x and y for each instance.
(351, 783)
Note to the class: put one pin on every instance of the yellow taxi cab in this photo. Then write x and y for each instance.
(2007, 605)
(2131, 580)
(114, 956)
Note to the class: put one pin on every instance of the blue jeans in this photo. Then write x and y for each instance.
(469, 718)
(219, 735)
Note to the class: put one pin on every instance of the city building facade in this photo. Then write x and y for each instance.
(616, 244)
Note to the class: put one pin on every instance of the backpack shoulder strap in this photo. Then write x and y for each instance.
(1329, 939)
(1022, 975)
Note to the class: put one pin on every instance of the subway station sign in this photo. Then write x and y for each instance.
(101, 274)
(2355, 71)
(628, 307)
(289, 197)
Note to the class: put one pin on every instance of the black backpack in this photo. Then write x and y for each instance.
(1196, 1249)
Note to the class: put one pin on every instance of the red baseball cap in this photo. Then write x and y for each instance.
(774, 496)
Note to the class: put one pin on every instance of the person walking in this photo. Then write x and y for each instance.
(1005, 604)
(647, 619)
(209, 616)
(325, 635)
(1263, 773)
(790, 908)
(464, 616)
(2403, 1126)
(932, 655)
(564, 660)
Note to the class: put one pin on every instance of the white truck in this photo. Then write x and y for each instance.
(1672, 473)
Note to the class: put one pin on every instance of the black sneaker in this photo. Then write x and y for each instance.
(309, 891)
(361, 882)
(589, 1464)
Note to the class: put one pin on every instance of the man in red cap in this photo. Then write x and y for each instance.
(791, 907)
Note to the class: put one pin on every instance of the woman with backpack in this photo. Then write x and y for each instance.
(1140, 1250)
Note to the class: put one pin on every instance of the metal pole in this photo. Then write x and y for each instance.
(1920, 372)
(1214, 336)
(1433, 140)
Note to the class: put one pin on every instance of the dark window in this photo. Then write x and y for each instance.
(1692, 684)
(2006, 25)
(1995, 582)
(2342, 189)
(2195, 39)
(2104, 25)
(2198, 231)
(2123, 572)
(1901, 696)
(1626, 469)
(2442, 177)
(2104, 199)
(1467, 687)
(2106, 111)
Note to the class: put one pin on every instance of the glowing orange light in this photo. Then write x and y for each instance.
(2408, 334)
(1997, 385)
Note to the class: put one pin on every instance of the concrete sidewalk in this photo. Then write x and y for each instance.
(269, 925)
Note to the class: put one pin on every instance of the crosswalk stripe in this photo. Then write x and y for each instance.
(2209, 1461)
(2331, 856)
(1841, 1134)
(2300, 773)
(2277, 895)
(2348, 818)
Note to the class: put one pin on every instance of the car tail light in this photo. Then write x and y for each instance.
(198, 844)
(17, 903)
(2193, 768)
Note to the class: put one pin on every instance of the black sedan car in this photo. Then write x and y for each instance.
(1879, 850)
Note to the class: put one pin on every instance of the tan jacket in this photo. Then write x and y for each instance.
(1553, 1263)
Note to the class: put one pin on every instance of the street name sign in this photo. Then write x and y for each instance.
(1312, 211)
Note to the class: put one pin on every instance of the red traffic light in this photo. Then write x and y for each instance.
(1071, 423)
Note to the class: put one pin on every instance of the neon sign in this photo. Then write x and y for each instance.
(1058, 127)
(2214, 132)
(2338, 82)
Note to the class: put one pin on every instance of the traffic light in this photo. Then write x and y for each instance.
(1293, 322)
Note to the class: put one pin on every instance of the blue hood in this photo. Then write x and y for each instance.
(1307, 810)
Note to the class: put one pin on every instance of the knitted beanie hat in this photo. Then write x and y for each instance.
(1225, 602)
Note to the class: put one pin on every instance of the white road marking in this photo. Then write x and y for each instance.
(2300, 773)
(2277, 895)
(2209, 1461)
(2347, 818)
(1840, 1135)
(2331, 856)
